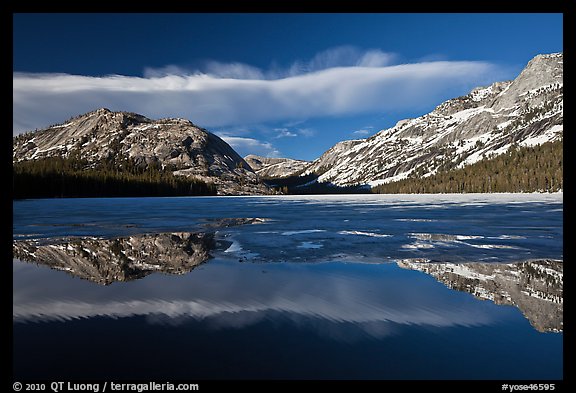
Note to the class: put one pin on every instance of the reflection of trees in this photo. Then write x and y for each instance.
(535, 287)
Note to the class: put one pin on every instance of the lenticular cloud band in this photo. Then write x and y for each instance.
(212, 101)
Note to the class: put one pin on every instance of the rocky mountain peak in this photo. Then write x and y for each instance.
(486, 122)
(102, 111)
(268, 167)
(173, 144)
(477, 97)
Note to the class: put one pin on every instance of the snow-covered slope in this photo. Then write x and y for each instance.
(176, 144)
(486, 122)
(275, 167)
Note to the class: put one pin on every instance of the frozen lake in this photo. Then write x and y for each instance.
(294, 287)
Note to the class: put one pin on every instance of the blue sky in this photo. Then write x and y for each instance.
(287, 85)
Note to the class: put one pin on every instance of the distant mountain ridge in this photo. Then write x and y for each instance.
(275, 167)
(487, 122)
(176, 145)
(483, 124)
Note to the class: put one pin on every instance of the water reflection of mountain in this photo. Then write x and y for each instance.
(105, 261)
(535, 287)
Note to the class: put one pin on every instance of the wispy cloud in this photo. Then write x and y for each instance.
(245, 146)
(285, 133)
(341, 56)
(363, 131)
(344, 81)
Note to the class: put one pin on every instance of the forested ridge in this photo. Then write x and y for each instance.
(521, 169)
(58, 177)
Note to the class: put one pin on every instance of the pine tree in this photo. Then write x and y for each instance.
(521, 169)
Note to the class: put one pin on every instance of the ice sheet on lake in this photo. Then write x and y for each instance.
(444, 227)
(362, 233)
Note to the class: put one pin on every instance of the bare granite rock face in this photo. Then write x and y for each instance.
(535, 287)
(173, 144)
(275, 167)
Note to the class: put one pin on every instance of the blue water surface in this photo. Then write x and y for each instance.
(310, 292)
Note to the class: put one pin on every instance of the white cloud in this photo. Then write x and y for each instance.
(376, 58)
(236, 94)
(171, 69)
(284, 133)
(233, 71)
(362, 132)
(245, 146)
(342, 56)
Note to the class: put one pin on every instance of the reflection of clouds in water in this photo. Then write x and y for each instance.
(370, 320)
(342, 301)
